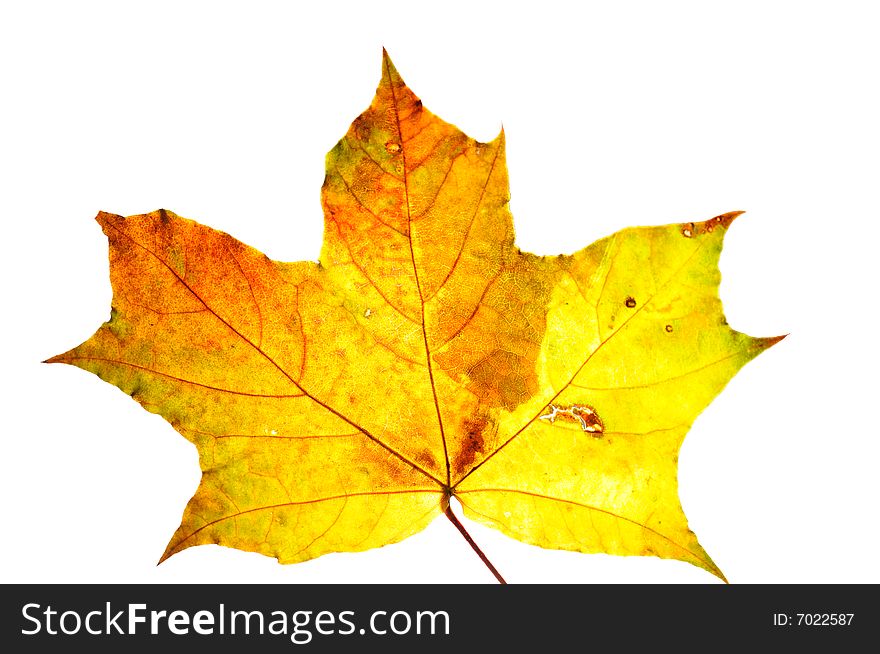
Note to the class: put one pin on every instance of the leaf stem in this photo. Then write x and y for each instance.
(476, 548)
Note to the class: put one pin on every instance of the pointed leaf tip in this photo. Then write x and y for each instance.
(389, 71)
(165, 555)
(760, 344)
(770, 341)
(725, 219)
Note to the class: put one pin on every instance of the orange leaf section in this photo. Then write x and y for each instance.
(337, 406)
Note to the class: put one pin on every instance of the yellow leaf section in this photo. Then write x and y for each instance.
(224, 344)
(419, 238)
(635, 332)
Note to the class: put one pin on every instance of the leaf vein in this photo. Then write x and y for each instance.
(329, 408)
(211, 523)
(589, 507)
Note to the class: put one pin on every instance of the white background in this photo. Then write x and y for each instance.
(616, 114)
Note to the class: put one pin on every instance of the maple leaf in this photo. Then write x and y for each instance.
(337, 406)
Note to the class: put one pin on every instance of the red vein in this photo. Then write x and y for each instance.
(172, 377)
(375, 524)
(251, 289)
(428, 123)
(440, 186)
(371, 281)
(290, 504)
(269, 528)
(365, 207)
(164, 313)
(329, 527)
(396, 354)
(581, 367)
(416, 273)
(329, 408)
(437, 144)
(589, 507)
(668, 379)
(646, 433)
(476, 307)
(302, 334)
(467, 232)
(286, 438)
(612, 242)
(370, 157)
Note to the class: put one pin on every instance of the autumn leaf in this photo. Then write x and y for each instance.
(337, 406)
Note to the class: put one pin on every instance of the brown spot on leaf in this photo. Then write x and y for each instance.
(725, 219)
(583, 414)
(493, 343)
(473, 441)
(630, 302)
(361, 128)
(590, 418)
(503, 379)
(426, 459)
(708, 226)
